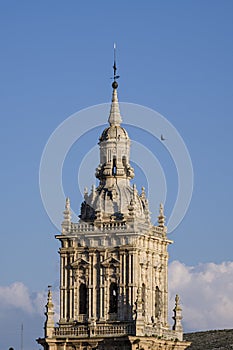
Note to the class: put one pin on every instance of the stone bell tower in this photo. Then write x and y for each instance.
(113, 262)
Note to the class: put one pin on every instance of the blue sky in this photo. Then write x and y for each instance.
(56, 59)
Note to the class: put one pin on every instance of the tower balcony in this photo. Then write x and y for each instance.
(112, 233)
(135, 225)
(95, 330)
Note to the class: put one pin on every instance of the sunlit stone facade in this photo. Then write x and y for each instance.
(113, 263)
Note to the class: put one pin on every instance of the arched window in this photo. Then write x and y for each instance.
(82, 299)
(113, 298)
(158, 302)
(114, 166)
(143, 298)
(124, 160)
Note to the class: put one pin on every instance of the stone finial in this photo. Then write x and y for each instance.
(49, 323)
(161, 217)
(67, 203)
(49, 298)
(99, 210)
(177, 318)
(177, 300)
(131, 208)
(85, 193)
(143, 193)
(93, 193)
(67, 211)
(114, 116)
(135, 192)
(139, 314)
(145, 204)
(66, 224)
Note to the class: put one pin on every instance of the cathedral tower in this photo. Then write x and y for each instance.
(113, 262)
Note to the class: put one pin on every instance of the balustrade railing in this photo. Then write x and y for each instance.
(71, 331)
(114, 330)
(98, 330)
(86, 227)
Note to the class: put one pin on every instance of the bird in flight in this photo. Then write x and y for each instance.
(162, 138)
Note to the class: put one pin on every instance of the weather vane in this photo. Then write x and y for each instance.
(115, 76)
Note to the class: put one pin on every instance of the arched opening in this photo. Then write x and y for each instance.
(82, 299)
(158, 302)
(143, 298)
(114, 166)
(113, 298)
(124, 161)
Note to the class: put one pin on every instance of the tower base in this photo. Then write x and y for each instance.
(112, 343)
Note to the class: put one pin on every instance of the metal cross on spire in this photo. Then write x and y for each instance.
(115, 76)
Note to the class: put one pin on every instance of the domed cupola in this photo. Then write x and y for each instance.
(114, 132)
(114, 148)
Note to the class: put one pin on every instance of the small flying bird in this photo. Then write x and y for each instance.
(162, 138)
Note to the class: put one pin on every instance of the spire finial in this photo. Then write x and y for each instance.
(49, 323)
(115, 117)
(67, 203)
(115, 76)
(67, 217)
(67, 211)
(177, 318)
(161, 217)
(49, 299)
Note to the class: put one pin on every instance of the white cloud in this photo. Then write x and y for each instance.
(20, 306)
(15, 296)
(206, 293)
(18, 296)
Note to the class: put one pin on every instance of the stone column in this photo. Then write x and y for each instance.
(62, 296)
(71, 283)
(94, 283)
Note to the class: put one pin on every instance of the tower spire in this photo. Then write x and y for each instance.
(115, 117)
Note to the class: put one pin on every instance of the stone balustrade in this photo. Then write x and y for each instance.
(98, 330)
(81, 331)
(86, 227)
